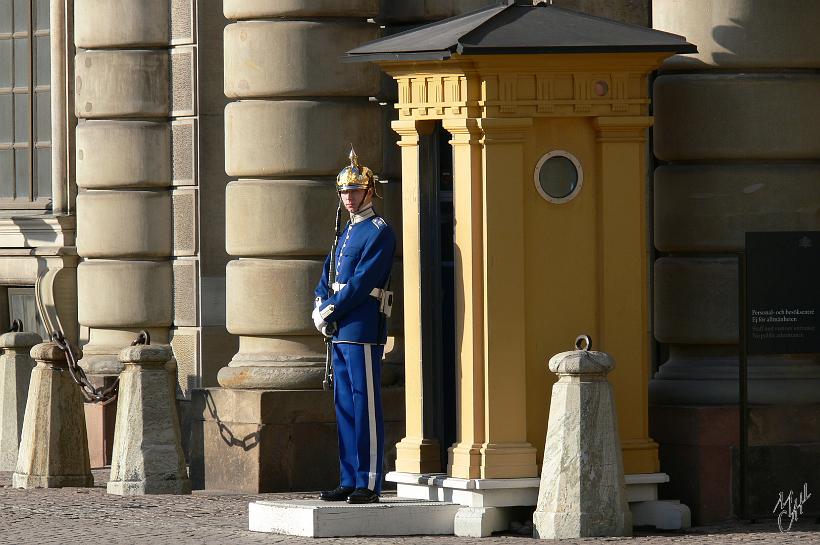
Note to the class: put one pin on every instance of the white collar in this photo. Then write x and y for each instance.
(362, 214)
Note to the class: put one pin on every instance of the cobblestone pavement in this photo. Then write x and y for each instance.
(78, 515)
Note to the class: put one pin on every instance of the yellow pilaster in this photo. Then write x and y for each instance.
(624, 310)
(465, 454)
(505, 452)
(415, 453)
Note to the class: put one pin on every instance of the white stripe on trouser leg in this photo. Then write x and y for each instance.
(371, 415)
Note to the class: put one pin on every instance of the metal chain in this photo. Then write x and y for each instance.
(16, 326)
(102, 395)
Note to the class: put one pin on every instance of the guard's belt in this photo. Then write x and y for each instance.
(378, 293)
(384, 297)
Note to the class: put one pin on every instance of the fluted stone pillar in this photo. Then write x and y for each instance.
(737, 128)
(297, 109)
(133, 91)
(15, 375)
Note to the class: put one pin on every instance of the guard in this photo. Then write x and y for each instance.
(351, 306)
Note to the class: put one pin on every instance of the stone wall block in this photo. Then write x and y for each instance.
(271, 296)
(121, 23)
(710, 207)
(258, 9)
(185, 222)
(742, 33)
(133, 224)
(122, 83)
(184, 151)
(749, 116)
(696, 300)
(183, 22)
(420, 11)
(186, 290)
(15, 374)
(188, 353)
(183, 81)
(125, 294)
(300, 137)
(280, 217)
(123, 154)
(257, 53)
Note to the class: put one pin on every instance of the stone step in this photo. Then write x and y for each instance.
(389, 517)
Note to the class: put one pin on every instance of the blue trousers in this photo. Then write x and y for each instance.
(357, 394)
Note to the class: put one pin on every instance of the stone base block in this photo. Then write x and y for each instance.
(314, 518)
(21, 480)
(258, 441)
(134, 488)
(640, 487)
(467, 492)
(483, 521)
(643, 487)
(662, 515)
(699, 449)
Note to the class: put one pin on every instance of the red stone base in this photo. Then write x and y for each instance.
(699, 449)
(274, 440)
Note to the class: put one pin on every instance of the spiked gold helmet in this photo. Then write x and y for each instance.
(356, 176)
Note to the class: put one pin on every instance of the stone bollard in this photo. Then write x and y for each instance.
(15, 374)
(147, 457)
(582, 479)
(53, 446)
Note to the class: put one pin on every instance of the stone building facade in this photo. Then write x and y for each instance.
(167, 165)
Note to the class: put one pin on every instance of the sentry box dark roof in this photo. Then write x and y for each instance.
(517, 27)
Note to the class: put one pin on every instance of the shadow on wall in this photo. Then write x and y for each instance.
(635, 12)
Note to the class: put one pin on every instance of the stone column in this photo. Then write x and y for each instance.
(624, 257)
(147, 456)
(505, 452)
(465, 455)
(15, 374)
(287, 135)
(416, 452)
(737, 126)
(582, 491)
(130, 82)
(53, 446)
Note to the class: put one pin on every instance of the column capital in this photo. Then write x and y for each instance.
(461, 126)
(502, 129)
(411, 129)
(622, 128)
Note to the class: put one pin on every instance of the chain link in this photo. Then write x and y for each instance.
(102, 395)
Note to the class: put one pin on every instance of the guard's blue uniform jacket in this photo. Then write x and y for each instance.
(364, 257)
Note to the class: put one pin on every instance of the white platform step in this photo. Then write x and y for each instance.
(389, 517)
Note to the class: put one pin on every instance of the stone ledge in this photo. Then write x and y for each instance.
(314, 518)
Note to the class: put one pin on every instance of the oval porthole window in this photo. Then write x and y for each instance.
(558, 176)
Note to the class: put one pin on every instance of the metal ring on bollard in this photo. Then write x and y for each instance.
(143, 338)
(583, 342)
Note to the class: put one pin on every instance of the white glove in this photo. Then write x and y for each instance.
(318, 321)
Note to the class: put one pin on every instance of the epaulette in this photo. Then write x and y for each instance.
(379, 222)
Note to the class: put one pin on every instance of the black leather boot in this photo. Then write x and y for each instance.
(362, 495)
(340, 493)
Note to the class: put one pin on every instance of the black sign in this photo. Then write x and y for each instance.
(783, 292)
